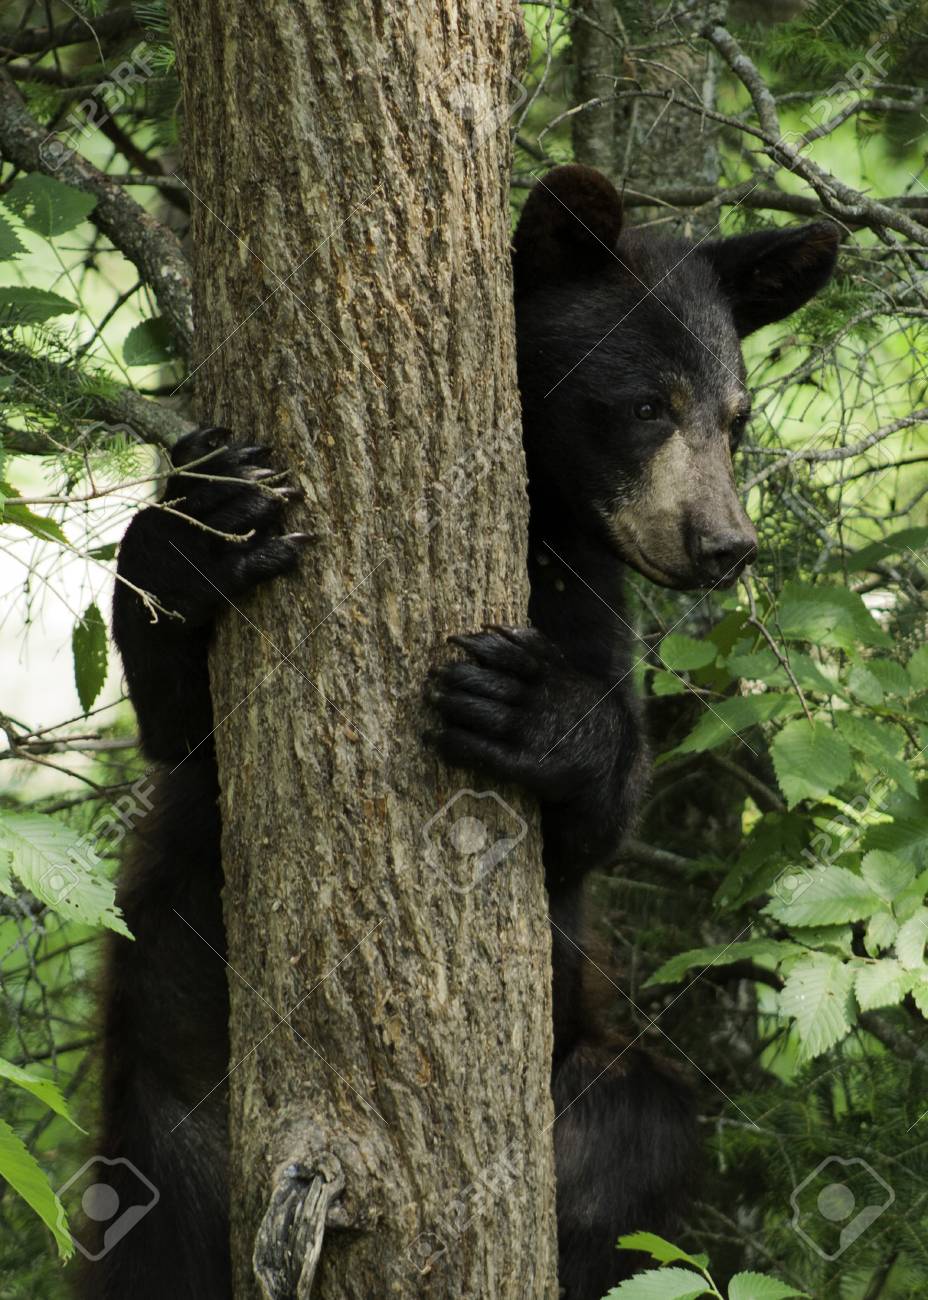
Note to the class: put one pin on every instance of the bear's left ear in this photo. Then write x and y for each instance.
(568, 228)
(769, 274)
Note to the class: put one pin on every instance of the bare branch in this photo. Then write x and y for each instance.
(149, 245)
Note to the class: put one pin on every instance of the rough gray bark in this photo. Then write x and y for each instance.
(353, 311)
(597, 59)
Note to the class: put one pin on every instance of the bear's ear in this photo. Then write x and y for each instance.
(769, 274)
(569, 227)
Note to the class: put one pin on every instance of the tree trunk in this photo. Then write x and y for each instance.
(390, 999)
(597, 50)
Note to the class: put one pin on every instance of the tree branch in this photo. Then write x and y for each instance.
(149, 245)
(150, 420)
(37, 40)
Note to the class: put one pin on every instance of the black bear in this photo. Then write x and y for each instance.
(633, 398)
(633, 401)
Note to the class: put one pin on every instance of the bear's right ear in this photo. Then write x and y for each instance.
(569, 227)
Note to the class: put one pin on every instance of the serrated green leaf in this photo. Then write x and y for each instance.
(757, 1286)
(88, 647)
(864, 686)
(46, 206)
(44, 1089)
(661, 1284)
(667, 684)
(682, 652)
(920, 994)
(828, 615)
(54, 863)
(892, 676)
(878, 552)
(817, 995)
(731, 717)
(882, 929)
(888, 874)
(10, 244)
(723, 955)
(22, 305)
(24, 1174)
(917, 667)
(881, 983)
(665, 1252)
(809, 760)
(12, 511)
(149, 343)
(830, 896)
(880, 742)
(911, 939)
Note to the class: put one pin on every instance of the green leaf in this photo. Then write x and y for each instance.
(88, 647)
(817, 995)
(864, 686)
(661, 1284)
(888, 874)
(892, 676)
(10, 243)
(723, 955)
(48, 207)
(920, 995)
(149, 343)
(12, 511)
(882, 929)
(878, 552)
(882, 983)
(730, 717)
(667, 684)
(917, 666)
(24, 1174)
(44, 1089)
(685, 652)
(665, 1252)
(810, 760)
(755, 1286)
(911, 939)
(20, 305)
(827, 615)
(830, 896)
(59, 867)
(107, 552)
(875, 738)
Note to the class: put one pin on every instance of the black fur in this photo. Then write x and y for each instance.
(549, 706)
(609, 323)
(165, 1049)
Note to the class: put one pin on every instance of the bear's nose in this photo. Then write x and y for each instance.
(724, 555)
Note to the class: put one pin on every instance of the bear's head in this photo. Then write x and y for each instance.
(631, 375)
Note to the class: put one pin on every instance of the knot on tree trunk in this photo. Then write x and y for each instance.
(288, 1245)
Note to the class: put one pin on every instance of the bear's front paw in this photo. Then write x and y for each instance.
(217, 532)
(517, 710)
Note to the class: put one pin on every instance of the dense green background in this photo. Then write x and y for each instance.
(768, 927)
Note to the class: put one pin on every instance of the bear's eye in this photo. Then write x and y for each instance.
(646, 410)
(738, 426)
